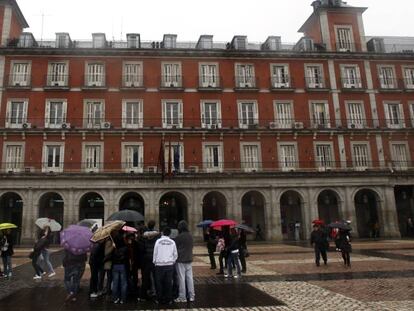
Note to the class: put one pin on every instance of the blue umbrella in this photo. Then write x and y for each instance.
(205, 224)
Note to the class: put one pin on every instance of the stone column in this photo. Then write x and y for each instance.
(30, 214)
(388, 212)
(349, 212)
(307, 214)
(68, 212)
(274, 225)
(152, 210)
(196, 214)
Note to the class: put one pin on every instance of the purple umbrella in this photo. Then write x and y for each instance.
(76, 239)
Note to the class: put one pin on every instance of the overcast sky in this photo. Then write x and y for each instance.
(190, 18)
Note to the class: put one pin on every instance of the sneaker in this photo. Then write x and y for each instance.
(236, 276)
(44, 273)
(192, 299)
(116, 301)
(180, 300)
(121, 302)
(93, 295)
(69, 297)
(37, 277)
(52, 274)
(226, 275)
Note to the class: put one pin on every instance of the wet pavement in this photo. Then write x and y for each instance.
(279, 277)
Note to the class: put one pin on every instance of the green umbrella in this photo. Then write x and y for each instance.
(6, 226)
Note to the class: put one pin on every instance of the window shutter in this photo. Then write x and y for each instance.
(25, 106)
(219, 121)
(328, 119)
(164, 114)
(47, 114)
(8, 114)
(180, 114)
(256, 113)
(140, 114)
(202, 109)
(64, 110)
(124, 115)
(401, 115)
(388, 115)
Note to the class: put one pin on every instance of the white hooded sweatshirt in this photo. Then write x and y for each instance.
(165, 252)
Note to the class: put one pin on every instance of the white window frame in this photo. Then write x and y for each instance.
(408, 80)
(352, 121)
(346, 80)
(126, 159)
(314, 121)
(383, 79)
(281, 159)
(396, 163)
(354, 160)
(211, 125)
(172, 79)
(255, 113)
(100, 160)
(8, 123)
(47, 112)
(345, 46)
(139, 124)
(279, 81)
(166, 157)
(411, 105)
(401, 119)
(314, 82)
(244, 80)
(99, 77)
(330, 164)
(86, 123)
(60, 78)
(164, 103)
(20, 79)
(244, 165)
(20, 163)
(134, 80)
(283, 122)
(59, 169)
(206, 163)
(207, 79)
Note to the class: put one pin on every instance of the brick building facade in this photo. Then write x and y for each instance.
(268, 134)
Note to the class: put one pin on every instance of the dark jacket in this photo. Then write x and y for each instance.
(149, 244)
(70, 260)
(40, 245)
(184, 243)
(342, 241)
(120, 256)
(319, 239)
(211, 242)
(234, 243)
(6, 242)
(97, 255)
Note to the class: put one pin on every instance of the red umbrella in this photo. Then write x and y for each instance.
(318, 222)
(223, 223)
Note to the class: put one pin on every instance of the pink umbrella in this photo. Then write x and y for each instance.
(223, 223)
(129, 229)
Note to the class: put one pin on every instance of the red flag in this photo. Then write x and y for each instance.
(161, 160)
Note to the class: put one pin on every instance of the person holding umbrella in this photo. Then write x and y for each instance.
(211, 241)
(319, 241)
(6, 247)
(343, 244)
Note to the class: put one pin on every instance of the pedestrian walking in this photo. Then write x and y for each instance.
(343, 244)
(243, 252)
(165, 256)
(221, 249)
(6, 248)
(211, 240)
(35, 254)
(96, 264)
(47, 235)
(184, 243)
(319, 241)
(259, 233)
(150, 237)
(74, 267)
(120, 266)
(233, 255)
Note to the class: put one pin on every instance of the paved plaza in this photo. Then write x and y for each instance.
(280, 277)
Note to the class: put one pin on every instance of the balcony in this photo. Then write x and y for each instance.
(19, 81)
(132, 82)
(171, 83)
(57, 82)
(282, 84)
(94, 82)
(210, 83)
(347, 47)
(316, 84)
(246, 84)
(390, 85)
(352, 84)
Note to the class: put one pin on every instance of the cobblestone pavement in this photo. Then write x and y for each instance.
(279, 277)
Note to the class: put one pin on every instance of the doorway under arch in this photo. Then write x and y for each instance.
(11, 210)
(328, 206)
(51, 205)
(132, 201)
(367, 205)
(92, 206)
(172, 209)
(404, 202)
(291, 215)
(253, 212)
(214, 206)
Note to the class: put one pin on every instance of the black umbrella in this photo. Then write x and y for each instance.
(127, 216)
(245, 228)
(89, 223)
(340, 225)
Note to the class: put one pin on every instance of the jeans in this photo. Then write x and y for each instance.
(119, 282)
(164, 283)
(185, 277)
(233, 258)
(7, 265)
(46, 258)
(72, 278)
(38, 269)
(105, 287)
(222, 260)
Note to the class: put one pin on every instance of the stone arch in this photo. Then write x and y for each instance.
(404, 203)
(214, 205)
(51, 205)
(92, 205)
(133, 201)
(173, 207)
(291, 203)
(11, 210)
(329, 205)
(368, 212)
(253, 212)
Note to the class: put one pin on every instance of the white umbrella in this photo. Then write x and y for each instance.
(53, 224)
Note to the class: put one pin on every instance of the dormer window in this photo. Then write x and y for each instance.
(98, 40)
(205, 42)
(344, 39)
(26, 40)
(272, 43)
(62, 40)
(170, 41)
(134, 40)
(239, 43)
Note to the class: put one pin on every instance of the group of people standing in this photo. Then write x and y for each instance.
(231, 245)
(319, 240)
(146, 265)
